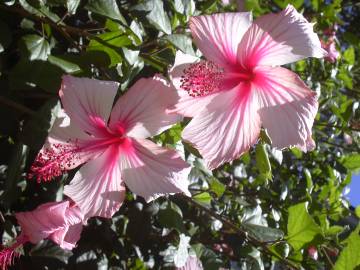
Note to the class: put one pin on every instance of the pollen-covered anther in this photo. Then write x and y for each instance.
(54, 161)
(201, 78)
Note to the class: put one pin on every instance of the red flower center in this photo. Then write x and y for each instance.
(201, 78)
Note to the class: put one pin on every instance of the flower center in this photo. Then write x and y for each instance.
(201, 78)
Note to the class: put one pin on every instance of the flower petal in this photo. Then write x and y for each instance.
(277, 39)
(51, 220)
(152, 171)
(218, 35)
(142, 110)
(222, 134)
(97, 188)
(88, 102)
(187, 105)
(288, 107)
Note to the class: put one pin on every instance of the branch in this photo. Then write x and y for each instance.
(240, 232)
(17, 106)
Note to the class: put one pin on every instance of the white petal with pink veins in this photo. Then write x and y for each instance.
(88, 102)
(141, 112)
(278, 39)
(223, 133)
(97, 188)
(152, 171)
(218, 35)
(288, 107)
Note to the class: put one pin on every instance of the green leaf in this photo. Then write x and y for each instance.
(156, 15)
(216, 186)
(262, 160)
(357, 211)
(170, 216)
(26, 75)
(352, 162)
(65, 65)
(37, 46)
(110, 43)
(72, 6)
(203, 197)
(50, 250)
(181, 42)
(301, 227)
(349, 258)
(107, 8)
(283, 3)
(263, 233)
(349, 55)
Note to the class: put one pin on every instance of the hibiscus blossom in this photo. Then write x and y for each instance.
(113, 144)
(60, 222)
(240, 86)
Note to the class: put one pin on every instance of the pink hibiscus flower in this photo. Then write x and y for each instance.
(113, 144)
(60, 222)
(240, 87)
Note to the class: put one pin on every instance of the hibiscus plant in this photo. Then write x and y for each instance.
(179, 134)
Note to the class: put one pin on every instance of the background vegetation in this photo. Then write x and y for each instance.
(268, 209)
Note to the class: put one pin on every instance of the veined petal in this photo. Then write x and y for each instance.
(58, 221)
(277, 39)
(97, 188)
(222, 134)
(218, 35)
(187, 105)
(288, 107)
(88, 102)
(152, 171)
(141, 112)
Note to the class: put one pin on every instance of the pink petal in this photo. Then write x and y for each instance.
(152, 171)
(88, 102)
(142, 110)
(97, 188)
(277, 39)
(187, 105)
(218, 35)
(53, 221)
(288, 107)
(222, 134)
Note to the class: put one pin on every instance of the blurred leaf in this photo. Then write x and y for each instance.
(357, 211)
(107, 8)
(171, 217)
(72, 6)
(27, 75)
(349, 55)
(301, 227)
(352, 162)
(283, 3)
(349, 258)
(203, 197)
(38, 47)
(65, 65)
(48, 249)
(181, 42)
(262, 160)
(40, 10)
(216, 186)
(156, 15)
(262, 233)
(110, 43)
